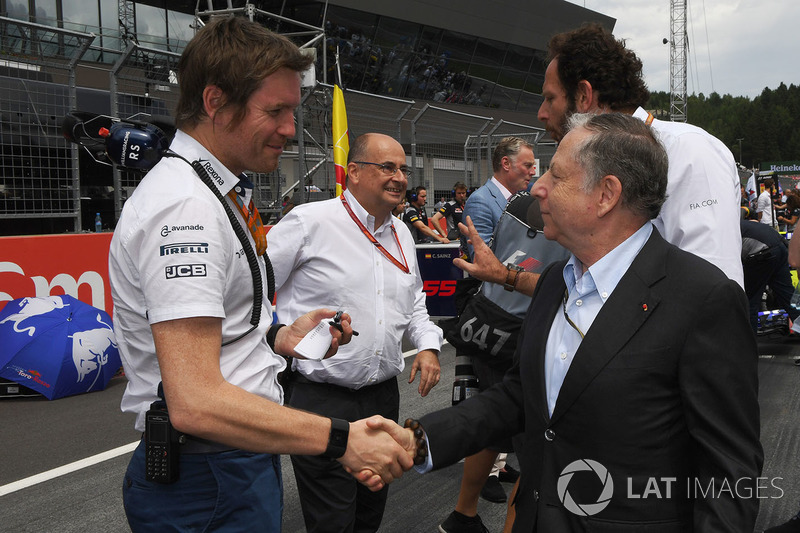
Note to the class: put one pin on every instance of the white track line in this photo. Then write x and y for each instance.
(67, 469)
(85, 463)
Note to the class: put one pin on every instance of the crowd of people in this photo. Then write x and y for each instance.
(404, 71)
(634, 355)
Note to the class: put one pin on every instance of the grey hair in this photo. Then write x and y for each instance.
(508, 147)
(625, 147)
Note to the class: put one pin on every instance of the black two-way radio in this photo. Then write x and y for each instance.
(162, 445)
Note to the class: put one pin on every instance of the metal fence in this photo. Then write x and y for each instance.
(39, 169)
(438, 152)
(480, 148)
(443, 146)
(143, 86)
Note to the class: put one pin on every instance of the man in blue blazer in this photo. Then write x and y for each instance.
(635, 378)
(513, 166)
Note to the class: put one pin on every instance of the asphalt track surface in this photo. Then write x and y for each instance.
(54, 478)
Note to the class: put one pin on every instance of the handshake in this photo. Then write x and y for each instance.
(379, 450)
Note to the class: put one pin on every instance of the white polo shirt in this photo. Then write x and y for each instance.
(174, 255)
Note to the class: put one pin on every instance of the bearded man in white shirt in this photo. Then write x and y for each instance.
(592, 72)
(349, 253)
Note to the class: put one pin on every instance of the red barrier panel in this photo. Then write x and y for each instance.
(41, 265)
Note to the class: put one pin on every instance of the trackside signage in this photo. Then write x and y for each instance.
(783, 167)
(44, 265)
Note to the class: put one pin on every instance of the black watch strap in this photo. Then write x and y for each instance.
(337, 441)
(272, 333)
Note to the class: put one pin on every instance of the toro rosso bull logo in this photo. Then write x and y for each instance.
(90, 349)
(31, 307)
(44, 337)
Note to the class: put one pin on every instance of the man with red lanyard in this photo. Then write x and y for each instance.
(350, 253)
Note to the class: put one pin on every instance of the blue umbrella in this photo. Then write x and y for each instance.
(57, 346)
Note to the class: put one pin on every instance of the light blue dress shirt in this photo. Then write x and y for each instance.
(586, 294)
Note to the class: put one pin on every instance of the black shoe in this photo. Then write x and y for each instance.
(459, 523)
(492, 490)
(792, 526)
(508, 474)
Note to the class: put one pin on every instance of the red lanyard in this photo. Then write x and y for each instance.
(402, 266)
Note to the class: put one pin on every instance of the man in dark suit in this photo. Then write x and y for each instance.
(635, 381)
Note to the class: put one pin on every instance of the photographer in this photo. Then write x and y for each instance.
(181, 283)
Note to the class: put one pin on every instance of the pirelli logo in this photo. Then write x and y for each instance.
(184, 248)
(185, 271)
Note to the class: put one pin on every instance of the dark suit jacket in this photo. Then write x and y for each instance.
(664, 385)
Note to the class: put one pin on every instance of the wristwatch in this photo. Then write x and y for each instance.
(512, 274)
(337, 441)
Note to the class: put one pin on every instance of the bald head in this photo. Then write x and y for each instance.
(374, 174)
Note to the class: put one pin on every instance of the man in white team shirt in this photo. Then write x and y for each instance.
(183, 299)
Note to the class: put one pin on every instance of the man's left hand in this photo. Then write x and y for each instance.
(427, 363)
(292, 334)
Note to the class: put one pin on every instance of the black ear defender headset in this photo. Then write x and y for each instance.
(457, 185)
(414, 195)
(138, 145)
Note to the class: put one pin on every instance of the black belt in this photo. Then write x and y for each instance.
(195, 445)
(299, 378)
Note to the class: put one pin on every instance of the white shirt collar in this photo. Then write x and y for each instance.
(362, 214)
(505, 192)
(187, 146)
(610, 268)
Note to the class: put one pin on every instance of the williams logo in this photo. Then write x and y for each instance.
(166, 230)
(184, 248)
(185, 271)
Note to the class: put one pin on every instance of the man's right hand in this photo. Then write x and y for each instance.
(378, 451)
(485, 265)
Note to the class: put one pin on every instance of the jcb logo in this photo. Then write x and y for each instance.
(439, 288)
(186, 271)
